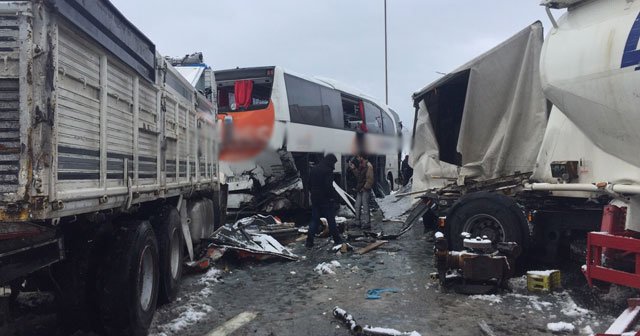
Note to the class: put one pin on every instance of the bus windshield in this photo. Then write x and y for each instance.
(244, 89)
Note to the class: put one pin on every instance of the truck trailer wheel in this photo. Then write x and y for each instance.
(171, 253)
(129, 281)
(487, 214)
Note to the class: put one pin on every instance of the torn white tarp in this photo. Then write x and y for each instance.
(485, 119)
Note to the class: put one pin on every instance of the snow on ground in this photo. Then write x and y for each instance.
(560, 327)
(191, 314)
(570, 308)
(191, 309)
(327, 268)
(389, 331)
(490, 298)
(212, 275)
(518, 284)
(557, 305)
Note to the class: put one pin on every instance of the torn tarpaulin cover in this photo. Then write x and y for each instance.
(249, 243)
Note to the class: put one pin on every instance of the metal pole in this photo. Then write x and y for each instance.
(386, 57)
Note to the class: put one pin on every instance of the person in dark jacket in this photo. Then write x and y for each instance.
(323, 198)
(406, 170)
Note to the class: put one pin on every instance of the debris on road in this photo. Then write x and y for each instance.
(483, 266)
(626, 320)
(356, 329)
(375, 294)
(270, 225)
(414, 216)
(394, 207)
(371, 247)
(544, 281)
(249, 243)
(347, 319)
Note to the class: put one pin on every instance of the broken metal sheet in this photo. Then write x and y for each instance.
(345, 197)
(249, 243)
(270, 225)
(417, 211)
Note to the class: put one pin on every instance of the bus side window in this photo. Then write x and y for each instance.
(387, 124)
(352, 113)
(373, 116)
(332, 108)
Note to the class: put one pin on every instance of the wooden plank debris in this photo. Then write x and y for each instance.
(371, 247)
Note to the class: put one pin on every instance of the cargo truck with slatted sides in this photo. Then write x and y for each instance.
(108, 164)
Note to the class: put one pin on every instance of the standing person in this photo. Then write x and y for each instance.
(323, 197)
(406, 170)
(363, 189)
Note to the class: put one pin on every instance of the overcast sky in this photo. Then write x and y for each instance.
(339, 39)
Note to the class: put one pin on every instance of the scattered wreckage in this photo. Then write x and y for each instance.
(358, 330)
(254, 237)
(482, 267)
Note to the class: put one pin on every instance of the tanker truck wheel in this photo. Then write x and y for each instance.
(487, 214)
(129, 281)
(171, 252)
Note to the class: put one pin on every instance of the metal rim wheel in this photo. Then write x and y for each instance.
(146, 274)
(482, 225)
(175, 253)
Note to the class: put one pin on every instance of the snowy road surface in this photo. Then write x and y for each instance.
(281, 298)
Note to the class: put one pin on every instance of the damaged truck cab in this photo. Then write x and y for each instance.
(579, 164)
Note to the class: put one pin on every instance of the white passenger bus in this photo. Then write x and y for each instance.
(284, 122)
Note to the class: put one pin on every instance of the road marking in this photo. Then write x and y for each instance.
(233, 324)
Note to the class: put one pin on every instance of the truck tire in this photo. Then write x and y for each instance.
(487, 214)
(75, 309)
(171, 252)
(129, 281)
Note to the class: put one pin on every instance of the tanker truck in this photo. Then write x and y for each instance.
(587, 172)
(108, 164)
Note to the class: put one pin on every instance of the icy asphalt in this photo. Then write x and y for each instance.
(292, 298)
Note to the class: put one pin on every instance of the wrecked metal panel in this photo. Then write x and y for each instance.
(237, 238)
(105, 24)
(560, 3)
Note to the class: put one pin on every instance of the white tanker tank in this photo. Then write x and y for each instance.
(590, 71)
(590, 67)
